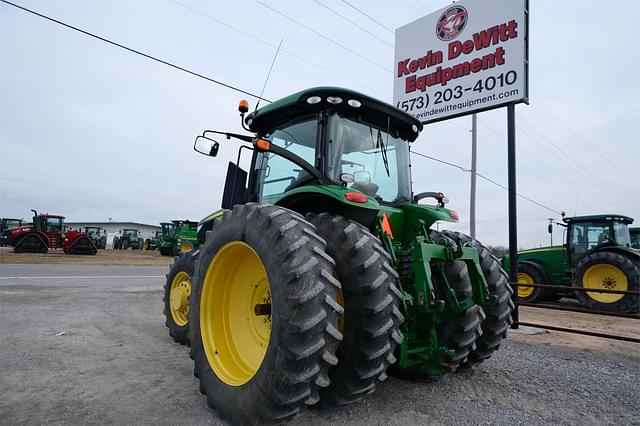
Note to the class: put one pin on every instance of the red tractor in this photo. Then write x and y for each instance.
(47, 231)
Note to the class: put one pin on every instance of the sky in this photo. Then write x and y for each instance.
(94, 132)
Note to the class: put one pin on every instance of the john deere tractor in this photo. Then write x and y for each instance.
(97, 235)
(597, 254)
(635, 238)
(128, 238)
(323, 268)
(178, 236)
(152, 243)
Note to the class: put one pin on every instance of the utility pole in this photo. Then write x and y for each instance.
(474, 154)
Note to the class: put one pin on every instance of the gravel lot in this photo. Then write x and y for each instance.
(87, 345)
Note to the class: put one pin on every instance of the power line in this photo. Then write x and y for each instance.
(481, 176)
(368, 16)
(137, 52)
(267, 43)
(319, 34)
(353, 23)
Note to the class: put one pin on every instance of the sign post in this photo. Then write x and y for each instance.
(465, 58)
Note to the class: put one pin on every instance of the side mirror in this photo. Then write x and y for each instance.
(550, 229)
(206, 146)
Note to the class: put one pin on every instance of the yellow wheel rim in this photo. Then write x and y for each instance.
(185, 247)
(235, 319)
(605, 277)
(179, 298)
(524, 278)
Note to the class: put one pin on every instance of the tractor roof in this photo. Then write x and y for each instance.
(370, 109)
(51, 215)
(599, 217)
(188, 222)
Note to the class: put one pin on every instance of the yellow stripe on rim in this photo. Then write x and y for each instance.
(605, 277)
(524, 278)
(179, 298)
(233, 320)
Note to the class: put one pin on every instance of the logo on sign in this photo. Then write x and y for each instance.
(451, 23)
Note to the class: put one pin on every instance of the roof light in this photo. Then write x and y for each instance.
(354, 103)
(356, 197)
(243, 106)
(335, 100)
(312, 100)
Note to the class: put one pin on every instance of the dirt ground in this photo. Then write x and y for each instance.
(86, 344)
(104, 257)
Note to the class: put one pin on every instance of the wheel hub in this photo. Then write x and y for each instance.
(605, 276)
(179, 298)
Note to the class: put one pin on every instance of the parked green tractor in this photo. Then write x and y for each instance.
(322, 269)
(152, 243)
(634, 233)
(597, 254)
(97, 235)
(178, 236)
(128, 238)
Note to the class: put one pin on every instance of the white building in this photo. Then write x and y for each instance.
(146, 230)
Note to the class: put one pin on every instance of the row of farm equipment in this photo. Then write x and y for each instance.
(47, 231)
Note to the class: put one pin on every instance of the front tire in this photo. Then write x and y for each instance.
(371, 303)
(177, 290)
(531, 273)
(263, 315)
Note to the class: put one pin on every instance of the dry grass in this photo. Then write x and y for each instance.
(104, 257)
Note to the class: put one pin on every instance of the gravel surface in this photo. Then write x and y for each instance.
(96, 351)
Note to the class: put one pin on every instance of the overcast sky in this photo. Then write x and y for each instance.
(94, 132)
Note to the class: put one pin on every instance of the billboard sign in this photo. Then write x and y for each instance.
(467, 57)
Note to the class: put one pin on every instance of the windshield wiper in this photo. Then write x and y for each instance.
(383, 148)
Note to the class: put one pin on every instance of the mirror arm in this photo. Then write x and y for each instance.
(244, 138)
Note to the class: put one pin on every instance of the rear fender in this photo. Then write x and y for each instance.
(329, 199)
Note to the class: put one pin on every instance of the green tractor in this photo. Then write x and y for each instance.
(178, 236)
(323, 269)
(597, 254)
(128, 238)
(97, 235)
(152, 243)
(634, 233)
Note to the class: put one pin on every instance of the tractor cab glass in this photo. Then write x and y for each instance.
(369, 159)
(586, 236)
(168, 230)
(276, 174)
(131, 232)
(12, 223)
(53, 224)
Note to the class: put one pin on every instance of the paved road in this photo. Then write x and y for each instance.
(94, 350)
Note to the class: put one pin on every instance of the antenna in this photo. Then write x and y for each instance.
(269, 74)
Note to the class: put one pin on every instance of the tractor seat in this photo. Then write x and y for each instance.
(368, 188)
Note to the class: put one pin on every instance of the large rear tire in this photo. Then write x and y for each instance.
(371, 304)
(608, 270)
(498, 317)
(177, 290)
(263, 315)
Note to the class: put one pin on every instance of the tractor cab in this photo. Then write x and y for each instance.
(130, 233)
(93, 231)
(588, 233)
(168, 230)
(343, 144)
